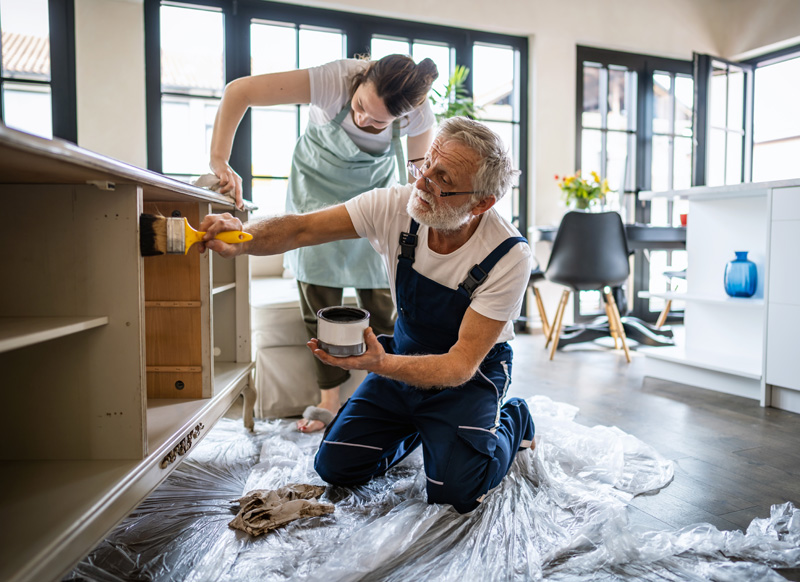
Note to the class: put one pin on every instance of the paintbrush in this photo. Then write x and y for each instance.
(174, 236)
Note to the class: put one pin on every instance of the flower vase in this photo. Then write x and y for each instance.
(741, 276)
(581, 204)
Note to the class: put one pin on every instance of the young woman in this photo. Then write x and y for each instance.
(359, 110)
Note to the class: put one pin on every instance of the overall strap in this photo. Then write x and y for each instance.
(402, 171)
(478, 273)
(408, 243)
(342, 114)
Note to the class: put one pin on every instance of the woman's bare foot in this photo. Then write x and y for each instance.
(330, 402)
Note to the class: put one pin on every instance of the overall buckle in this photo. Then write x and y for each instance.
(408, 243)
(475, 277)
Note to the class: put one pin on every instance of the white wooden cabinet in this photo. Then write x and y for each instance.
(741, 346)
(783, 317)
(81, 442)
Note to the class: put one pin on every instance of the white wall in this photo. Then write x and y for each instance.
(109, 55)
(759, 24)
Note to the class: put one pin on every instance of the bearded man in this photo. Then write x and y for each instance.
(458, 272)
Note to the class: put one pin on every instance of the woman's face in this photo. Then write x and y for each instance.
(369, 110)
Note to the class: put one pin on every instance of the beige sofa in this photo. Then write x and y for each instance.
(285, 380)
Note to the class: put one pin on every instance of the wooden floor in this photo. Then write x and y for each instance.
(733, 458)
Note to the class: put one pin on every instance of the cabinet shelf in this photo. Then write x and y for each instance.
(699, 298)
(19, 332)
(220, 287)
(734, 364)
(37, 541)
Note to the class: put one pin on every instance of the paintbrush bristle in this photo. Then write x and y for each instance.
(152, 235)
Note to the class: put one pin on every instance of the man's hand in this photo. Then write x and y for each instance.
(213, 224)
(371, 360)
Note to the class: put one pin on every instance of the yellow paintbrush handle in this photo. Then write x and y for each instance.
(229, 236)
(233, 236)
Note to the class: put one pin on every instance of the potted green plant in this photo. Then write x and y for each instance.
(454, 100)
(581, 193)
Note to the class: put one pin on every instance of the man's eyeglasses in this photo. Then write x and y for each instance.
(430, 184)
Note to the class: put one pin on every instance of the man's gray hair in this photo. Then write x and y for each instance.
(495, 172)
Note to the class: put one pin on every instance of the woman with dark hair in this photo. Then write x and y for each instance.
(359, 110)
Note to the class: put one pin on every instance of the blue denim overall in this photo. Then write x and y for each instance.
(468, 439)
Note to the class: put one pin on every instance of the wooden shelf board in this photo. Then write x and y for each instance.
(689, 297)
(220, 287)
(174, 417)
(728, 364)
(19, 332)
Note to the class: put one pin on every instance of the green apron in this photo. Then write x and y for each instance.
(328, 169)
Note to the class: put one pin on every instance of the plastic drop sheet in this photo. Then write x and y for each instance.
(560, 514)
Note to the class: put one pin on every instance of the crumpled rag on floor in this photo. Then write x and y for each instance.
(263, 510)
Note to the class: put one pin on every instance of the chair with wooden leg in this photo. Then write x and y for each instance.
(590, 252)
(538, 275)
(671, 276)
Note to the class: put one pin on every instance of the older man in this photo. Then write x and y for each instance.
(458, 272)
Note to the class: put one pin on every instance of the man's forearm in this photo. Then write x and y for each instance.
(272, 236)
(432, 371)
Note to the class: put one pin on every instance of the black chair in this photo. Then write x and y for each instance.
(590, 252)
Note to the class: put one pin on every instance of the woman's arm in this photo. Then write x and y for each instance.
(255, 91)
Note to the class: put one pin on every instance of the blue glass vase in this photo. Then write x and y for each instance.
(741, 276)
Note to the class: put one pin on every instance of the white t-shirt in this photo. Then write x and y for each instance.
(380, 216)
(330, 90)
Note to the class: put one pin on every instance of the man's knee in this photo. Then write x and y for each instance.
(463, 501)
(337, 468)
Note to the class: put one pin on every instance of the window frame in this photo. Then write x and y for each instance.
(703, 66)
(769, 58)
(359, 30)
(63, 93)
(645, 67)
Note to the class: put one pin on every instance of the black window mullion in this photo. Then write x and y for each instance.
(62, 69)
(152, 57)
(237, 64)
(521, 90)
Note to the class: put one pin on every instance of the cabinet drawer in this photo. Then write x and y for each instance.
(783, 363)
(786, 203)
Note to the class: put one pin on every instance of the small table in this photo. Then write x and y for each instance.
(640, 236)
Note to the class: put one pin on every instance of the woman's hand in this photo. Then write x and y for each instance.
(213, 224)
(230, 182)
(371, 360)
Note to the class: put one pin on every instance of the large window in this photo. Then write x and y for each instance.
(276, 129)
(194, 48)
(635, 128)
(37, 84)
(776, 121)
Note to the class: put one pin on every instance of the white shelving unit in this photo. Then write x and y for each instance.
(85, 435)
(728, 344)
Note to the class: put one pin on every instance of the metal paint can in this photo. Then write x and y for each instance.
(340, 330)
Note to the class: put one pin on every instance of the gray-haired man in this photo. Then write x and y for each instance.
(458, 272)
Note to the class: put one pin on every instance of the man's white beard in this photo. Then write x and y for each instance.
(438, 216)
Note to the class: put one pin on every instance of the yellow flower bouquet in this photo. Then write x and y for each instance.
(581, 193)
